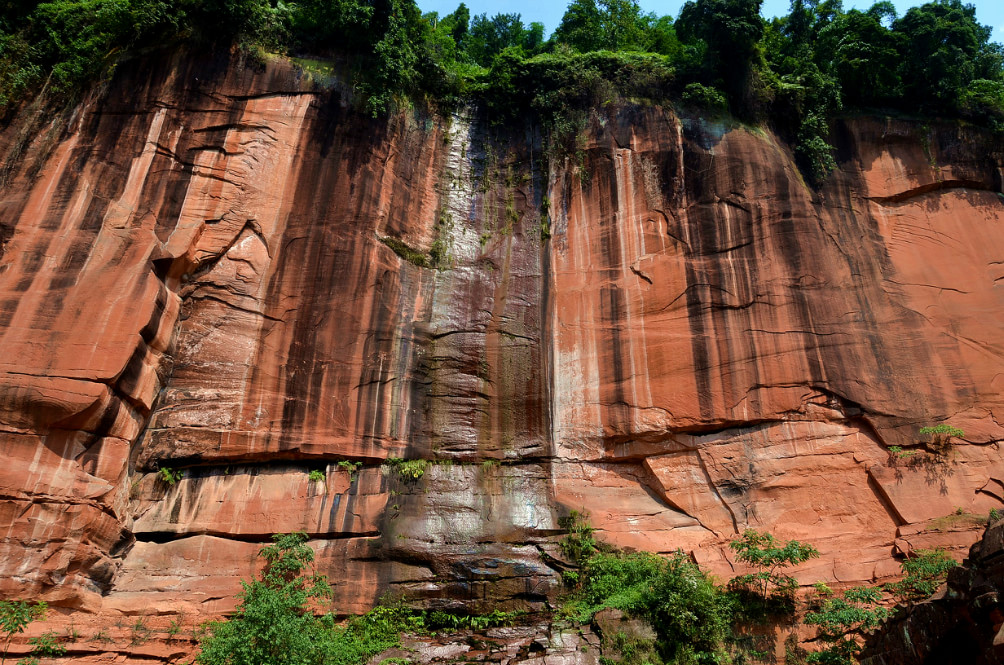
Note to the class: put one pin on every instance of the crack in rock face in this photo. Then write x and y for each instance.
(684, 344)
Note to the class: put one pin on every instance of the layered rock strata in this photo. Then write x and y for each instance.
(225, 271)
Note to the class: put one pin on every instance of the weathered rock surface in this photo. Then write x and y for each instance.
(533, 644)
(962, 623)
(156, 640)
(226, 271)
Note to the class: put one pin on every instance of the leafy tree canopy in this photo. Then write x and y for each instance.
(273, 622)
(795, 72)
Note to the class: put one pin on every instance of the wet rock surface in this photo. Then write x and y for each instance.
(540, 644)
(224, 271)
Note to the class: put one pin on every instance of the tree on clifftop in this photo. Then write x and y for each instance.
(726, 32)
(944, 49)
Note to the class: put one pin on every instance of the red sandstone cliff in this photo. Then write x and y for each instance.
(197, 278)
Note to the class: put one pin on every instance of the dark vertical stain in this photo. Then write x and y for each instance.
(378, 355)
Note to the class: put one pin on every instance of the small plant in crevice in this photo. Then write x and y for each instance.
(349, 467)
(406, 252)
(579, 544)
(941, 436)
(437, 258)
(101, 636)
(942, 431)
(897, 453)
(545, 217)
(169, 476)
(46, 645)
(439, 251)
(174, 628)
(582, 169)
(408, 469)
(15, 616)
(140, 632)
(957, 520)
(437, 620)
(315, 476)
(571, 578)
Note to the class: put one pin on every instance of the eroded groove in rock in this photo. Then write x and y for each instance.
(675, 335)
(102, 220)
(759, 359)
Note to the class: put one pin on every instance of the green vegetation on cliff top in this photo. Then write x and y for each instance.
(794, 73)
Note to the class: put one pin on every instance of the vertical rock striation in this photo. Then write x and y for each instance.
(745, 348)
(224, 270)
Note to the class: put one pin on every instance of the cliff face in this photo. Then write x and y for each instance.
(670, 331)
(961, 624)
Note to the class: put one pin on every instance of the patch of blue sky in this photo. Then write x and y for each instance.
(548, 12)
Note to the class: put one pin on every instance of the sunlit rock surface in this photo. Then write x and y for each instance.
(670, 331)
